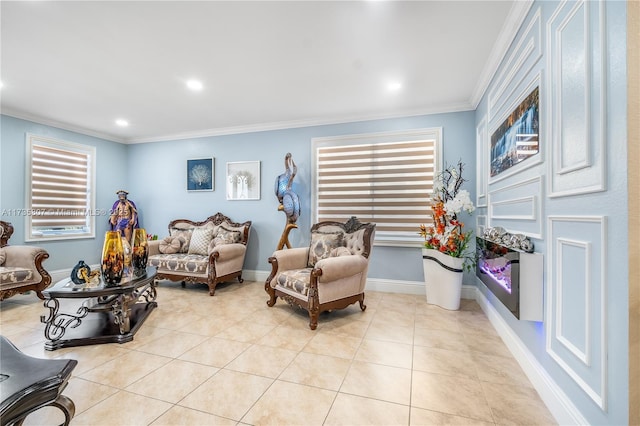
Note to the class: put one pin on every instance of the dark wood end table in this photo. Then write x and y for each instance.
(103, 313)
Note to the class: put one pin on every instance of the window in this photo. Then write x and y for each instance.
(385, 178)
(60, 189)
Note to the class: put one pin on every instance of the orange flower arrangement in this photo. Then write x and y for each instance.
(446, 234)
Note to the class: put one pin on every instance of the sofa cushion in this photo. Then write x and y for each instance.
(340, 251)
(15, 274)
(321, 245)
(200, 240)
(3, 256)
(180, 263)
(170, 245)
(184, 235)
(227, 236)
(295, 279)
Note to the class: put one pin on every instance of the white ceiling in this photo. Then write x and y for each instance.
(264, 65)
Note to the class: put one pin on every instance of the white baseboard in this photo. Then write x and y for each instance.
(554, 398)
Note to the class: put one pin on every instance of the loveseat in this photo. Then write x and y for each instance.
(21, 267)
(210, 252)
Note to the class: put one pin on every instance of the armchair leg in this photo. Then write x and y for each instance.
(362, 305)
(240, 279)
(272, 295)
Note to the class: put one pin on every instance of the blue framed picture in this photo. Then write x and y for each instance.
(517, 138)
(200, 174)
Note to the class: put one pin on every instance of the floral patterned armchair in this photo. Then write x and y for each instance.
(21, 267)
(329, 274)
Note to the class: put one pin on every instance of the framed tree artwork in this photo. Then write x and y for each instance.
(200, 174)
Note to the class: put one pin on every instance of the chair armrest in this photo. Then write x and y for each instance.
(154, 247)
(228, 251)
(294, 258)
(24, 256)
(333, 268)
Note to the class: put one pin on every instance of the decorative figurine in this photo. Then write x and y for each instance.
(289, 201)
(124, 215)
(80, 273)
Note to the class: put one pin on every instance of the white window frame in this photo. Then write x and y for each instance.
(32, 211)
(409, 238)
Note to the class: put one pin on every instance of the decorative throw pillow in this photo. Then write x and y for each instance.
(170, 245)
(200, 240)
(322, 243)
(340, 251)
(3, 256)
(227, 236)
(184, 235)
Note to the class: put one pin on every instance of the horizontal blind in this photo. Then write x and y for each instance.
(389, 184)
(59, 188)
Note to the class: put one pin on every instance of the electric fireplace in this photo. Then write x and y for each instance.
(512, 274)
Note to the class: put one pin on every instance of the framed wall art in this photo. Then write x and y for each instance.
(243, 180)
(200, 174)
(517, 137)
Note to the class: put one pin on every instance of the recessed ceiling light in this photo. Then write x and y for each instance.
(122, 123)
(194, 85)
(394, 86)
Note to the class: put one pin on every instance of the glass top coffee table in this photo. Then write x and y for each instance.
(103, 313)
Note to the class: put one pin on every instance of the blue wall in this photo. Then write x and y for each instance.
(572, 205)
(159, 186)
(155, 176)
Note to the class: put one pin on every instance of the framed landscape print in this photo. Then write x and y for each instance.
(243, 180)
(517, 137)
(200, 174)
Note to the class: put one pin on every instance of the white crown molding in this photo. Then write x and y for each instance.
(251, 128)
(262, 127)
(64, 126)
(517, 15)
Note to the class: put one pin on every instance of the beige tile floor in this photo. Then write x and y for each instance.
(231, 360)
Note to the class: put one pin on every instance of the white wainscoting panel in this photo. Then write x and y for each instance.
(482, 163)
(576, 301)
(518, 63)
(481, 224)
(576, 64)
(518, 207)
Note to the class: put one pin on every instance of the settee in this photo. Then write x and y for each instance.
(21, 267)
(210, 252)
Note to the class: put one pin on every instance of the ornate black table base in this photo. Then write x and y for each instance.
(100, 313)
(101, 327)
(28, 384)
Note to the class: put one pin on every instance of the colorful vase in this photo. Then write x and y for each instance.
(140, 249)
(112, 258)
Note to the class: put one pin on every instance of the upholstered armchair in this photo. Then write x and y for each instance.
(21, 267)
(329, 274)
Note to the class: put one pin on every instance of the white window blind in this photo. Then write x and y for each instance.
(60, 191)
(385, 182)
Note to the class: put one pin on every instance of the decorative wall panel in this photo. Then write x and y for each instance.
(482, 163)
(517, 64)
(576, 300)
(518, 207)
(576, 98)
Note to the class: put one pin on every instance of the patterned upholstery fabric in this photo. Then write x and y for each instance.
(200, 240)
(170, 245)
(296, 280)
(15, 274)
(184, 236)
(187, 263)
(227, 236)
(321, 245)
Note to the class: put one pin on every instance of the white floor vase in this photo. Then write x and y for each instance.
(443, 279)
